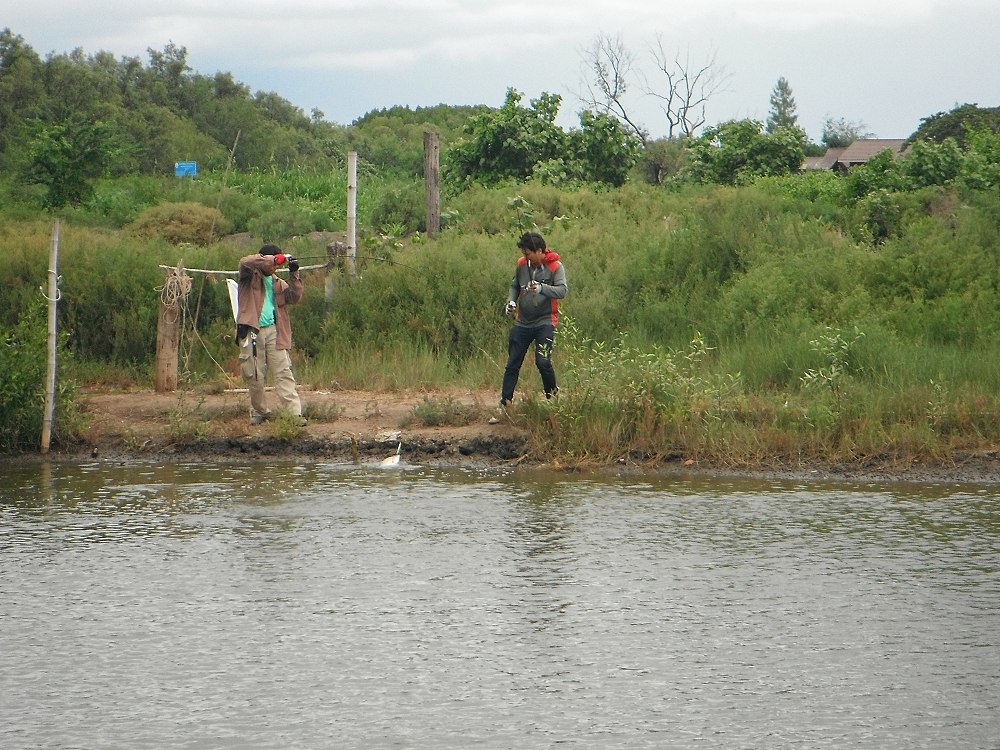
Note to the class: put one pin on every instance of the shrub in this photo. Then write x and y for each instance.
(436, 412)
(280, 221)
(179, 223)
(403, 205)
(23, 361)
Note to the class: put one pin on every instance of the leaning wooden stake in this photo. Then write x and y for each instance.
(53, 297)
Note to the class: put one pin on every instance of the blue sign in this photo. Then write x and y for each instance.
(186, 168)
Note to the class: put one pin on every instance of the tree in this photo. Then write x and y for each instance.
(610, 64)
(981, 167)
(604, 150)
(687, 91)
(840, 133)
(169, 70)
(22, 88)
(66, 157)
(507, 143)
(782, 113)
(661, 159)
(932, 163)
(684, 97)
(739, 151)
(957, 124)
(518, 143)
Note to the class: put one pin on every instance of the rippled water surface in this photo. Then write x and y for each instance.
(328, 606)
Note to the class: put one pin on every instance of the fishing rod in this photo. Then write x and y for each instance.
(391, 261)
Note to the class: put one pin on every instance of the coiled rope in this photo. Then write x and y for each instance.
(176, 287)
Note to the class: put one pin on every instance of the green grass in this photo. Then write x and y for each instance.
(736, 326)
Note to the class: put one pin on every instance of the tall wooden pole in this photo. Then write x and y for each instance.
(352, 211)
(50, 380)
(432, 182)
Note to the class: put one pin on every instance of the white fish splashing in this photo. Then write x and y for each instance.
(393, 460)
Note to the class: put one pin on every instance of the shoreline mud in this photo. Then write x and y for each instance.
(365, 427)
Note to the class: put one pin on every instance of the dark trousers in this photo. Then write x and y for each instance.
(518, 342)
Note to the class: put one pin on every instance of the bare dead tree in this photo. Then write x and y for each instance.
(609, 66)
(687, 91)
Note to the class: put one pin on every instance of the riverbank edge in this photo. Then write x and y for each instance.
(509, 452)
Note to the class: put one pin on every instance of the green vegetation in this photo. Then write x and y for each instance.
(23, 361)
(723, 306)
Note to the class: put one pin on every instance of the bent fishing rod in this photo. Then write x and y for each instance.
(383, 259)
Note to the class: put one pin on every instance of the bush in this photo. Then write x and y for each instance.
(120, 201)
(180, 223)
(401, 205)
(22, 389)
(280, 221)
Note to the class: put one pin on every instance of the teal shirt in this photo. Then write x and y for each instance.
(267, 312)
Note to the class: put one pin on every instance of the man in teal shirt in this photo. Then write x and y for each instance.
(264, 331)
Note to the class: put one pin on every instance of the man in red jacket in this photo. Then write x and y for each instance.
(539, 283)
(264, 332)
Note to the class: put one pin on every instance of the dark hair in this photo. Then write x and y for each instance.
(531, 241)
(270, 250)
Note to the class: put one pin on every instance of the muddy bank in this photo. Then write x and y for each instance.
(364, 427)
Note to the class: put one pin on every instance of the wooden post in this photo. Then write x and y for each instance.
(168, 328)
(432, 182)
(53, 298)
(334, 252)
(352, 211)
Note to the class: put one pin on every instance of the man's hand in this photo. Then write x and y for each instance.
(511, 307)
(293, 263)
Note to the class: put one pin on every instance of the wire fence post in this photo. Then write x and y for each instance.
(432, 182)
(352, 211)
(53, 297)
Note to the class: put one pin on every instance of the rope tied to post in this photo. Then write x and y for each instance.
(176, 286)
(56, 279)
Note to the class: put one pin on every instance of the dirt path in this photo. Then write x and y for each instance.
(341, 424)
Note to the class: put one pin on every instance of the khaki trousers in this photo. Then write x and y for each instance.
(256, 369)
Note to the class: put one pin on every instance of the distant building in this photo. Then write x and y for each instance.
(826, 161)
(859, 152)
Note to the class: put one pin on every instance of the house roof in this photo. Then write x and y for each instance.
(864, 149)
(826, 161)
(858, 152)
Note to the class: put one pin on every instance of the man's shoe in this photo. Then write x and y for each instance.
(499, 413)
(257, 419)
(302, 421)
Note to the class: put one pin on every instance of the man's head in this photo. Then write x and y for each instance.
(277, 257)
(532, 241)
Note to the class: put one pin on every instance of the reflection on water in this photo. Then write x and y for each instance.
(320, 605)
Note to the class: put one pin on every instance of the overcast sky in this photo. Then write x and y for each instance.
(883, 63)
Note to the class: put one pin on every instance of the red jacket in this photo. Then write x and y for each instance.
(543, 306)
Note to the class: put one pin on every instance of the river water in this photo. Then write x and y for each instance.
(339, 606)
